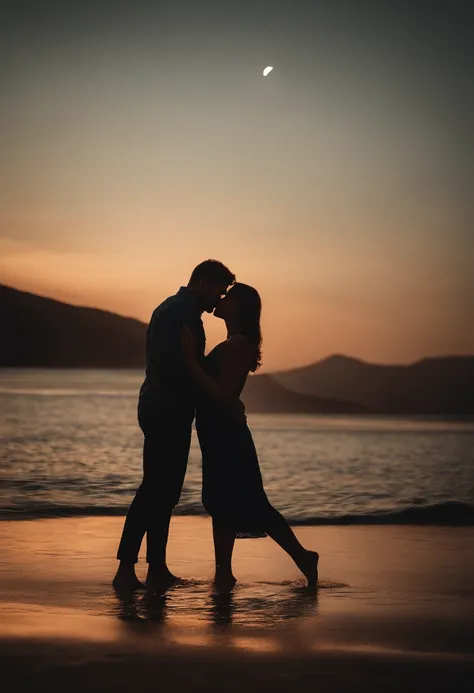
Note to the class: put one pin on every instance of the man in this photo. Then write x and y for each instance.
(166, 409)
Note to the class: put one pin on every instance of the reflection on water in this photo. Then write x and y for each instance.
(281, 618)
(260, 605)
(133, 608)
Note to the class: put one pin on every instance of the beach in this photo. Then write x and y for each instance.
(387, 503)
(394, 607)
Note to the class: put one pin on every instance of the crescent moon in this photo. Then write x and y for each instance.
(267, 70)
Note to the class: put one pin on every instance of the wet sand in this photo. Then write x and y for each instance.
(395, 608)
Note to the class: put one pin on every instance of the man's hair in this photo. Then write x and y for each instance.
(214, 271)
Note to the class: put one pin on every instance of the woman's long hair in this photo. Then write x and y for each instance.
(248, 318)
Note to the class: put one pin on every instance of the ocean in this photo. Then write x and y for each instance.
(70, 446)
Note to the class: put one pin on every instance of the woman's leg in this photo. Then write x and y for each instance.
(275, 525)
(224, 539)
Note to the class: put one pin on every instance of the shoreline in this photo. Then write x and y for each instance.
(444, 514)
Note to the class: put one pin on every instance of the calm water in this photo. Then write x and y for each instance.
(70, 445)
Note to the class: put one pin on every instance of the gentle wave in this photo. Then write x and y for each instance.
(447, 514)
(450, 513)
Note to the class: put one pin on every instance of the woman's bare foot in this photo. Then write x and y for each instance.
(125, 578)
(309, 568)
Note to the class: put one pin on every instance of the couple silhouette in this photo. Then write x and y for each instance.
(182, 385)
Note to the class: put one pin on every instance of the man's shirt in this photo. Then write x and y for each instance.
(168, 387)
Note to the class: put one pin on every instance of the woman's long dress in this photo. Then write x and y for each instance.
(232, 488)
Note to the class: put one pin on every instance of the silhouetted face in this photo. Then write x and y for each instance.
(210, 294)
(227, 307)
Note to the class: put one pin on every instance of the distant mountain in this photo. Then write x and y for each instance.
(443, 385)
(41, 332)
(263, 394)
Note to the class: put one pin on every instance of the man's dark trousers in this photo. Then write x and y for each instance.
(167, 439)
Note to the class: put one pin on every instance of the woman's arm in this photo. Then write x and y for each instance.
(233, 368)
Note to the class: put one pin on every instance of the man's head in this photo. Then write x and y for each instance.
(209, 282)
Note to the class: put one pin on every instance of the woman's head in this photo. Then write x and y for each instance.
(242, 308)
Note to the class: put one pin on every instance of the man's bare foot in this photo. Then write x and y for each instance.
(224, 583)
(310, 568)
(160, 579)
(127, 580)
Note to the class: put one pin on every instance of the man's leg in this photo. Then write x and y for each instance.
(135, 526)
(132, 536)
(159, 575)
(168, 461)
(165, 456)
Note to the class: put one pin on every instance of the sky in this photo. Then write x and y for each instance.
(138, 139)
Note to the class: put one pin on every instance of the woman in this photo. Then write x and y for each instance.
(233, 492)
